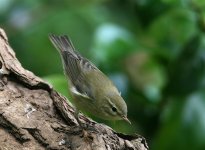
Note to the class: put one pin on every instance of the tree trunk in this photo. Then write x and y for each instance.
(33, 116)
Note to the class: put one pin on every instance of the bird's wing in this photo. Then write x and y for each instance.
(75, 65)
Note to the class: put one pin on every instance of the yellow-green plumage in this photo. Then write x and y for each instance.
(92, 91)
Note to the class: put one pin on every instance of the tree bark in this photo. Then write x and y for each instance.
(33, 116)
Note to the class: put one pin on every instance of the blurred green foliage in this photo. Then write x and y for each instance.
(153, 50)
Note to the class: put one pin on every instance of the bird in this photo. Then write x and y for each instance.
(91, 90)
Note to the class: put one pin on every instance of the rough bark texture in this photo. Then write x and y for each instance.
(34, 116)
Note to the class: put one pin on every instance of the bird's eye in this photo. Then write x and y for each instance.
(114, 109)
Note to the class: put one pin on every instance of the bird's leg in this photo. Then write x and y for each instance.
(88, 137)
(84, 132)
(76, 115)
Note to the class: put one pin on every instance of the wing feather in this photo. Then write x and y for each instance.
(75, 65)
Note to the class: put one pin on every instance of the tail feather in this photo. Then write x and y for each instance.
(75, 66)
(69, 56)
(66, 40)
(63, 43)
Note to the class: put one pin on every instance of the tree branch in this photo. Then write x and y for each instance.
(34, 116)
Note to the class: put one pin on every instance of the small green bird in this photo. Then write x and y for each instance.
(91, 90)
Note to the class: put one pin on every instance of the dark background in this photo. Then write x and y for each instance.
(154, 51)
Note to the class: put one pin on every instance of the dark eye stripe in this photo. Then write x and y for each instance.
(112, 106)
(114, 109)
(109, 112)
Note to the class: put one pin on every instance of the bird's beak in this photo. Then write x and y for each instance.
(126, 119)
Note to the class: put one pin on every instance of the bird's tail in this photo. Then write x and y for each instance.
(70, 57)
(63, 43)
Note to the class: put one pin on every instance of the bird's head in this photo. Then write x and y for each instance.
(114, 108)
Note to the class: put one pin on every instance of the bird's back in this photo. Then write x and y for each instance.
(83, 75)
